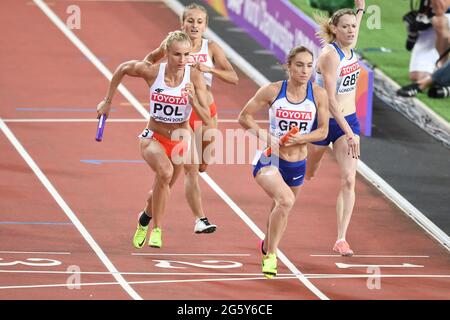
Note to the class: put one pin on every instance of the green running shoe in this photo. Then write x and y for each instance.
(140, 236)
(269, 265)
(155, 238)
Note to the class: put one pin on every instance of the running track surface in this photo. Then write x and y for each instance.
(44, 76)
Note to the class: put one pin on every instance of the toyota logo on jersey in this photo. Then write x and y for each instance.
(294, 114)
(198, 58)
(169, 108)
(164, 98)
(289, 118)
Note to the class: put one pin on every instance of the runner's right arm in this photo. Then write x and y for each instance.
(133, 68)
(261, 100)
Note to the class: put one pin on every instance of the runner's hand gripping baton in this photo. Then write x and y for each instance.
(283, 139)
(100, 127)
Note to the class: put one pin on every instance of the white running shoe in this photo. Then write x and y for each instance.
(202, 225)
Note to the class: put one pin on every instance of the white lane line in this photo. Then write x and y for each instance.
(223, 274)
(38, 120)
(33, 252)
(371, 275)
(194, 254)
(312, 276)
(367, 256)
(89, 55)
(403, 265)
(260, 234)
(102, 68)
(236, 274)
(69, 213)
(410, 210)
(61, 26)
(141, 282)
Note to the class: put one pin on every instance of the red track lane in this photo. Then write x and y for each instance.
(107, 197)
(23, 199)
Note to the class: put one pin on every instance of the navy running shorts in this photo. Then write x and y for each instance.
(293, 173)
(335, 131)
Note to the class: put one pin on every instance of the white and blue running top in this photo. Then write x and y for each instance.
(283, 114)
(347, 72)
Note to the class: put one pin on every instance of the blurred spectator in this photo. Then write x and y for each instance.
(441, 25)
(428, 34)
(438, 84)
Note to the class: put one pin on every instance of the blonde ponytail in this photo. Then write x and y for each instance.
(325, 32)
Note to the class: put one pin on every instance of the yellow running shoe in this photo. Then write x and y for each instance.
(140, 236)
(155, 238)
(269, 265)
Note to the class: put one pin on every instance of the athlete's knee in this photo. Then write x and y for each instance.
(348, 181)
(165, 174)
(150, 195)
(191, 169)
(286, 202)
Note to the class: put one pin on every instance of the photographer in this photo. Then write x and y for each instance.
(441, 25)
(428, 34)
(438, 84)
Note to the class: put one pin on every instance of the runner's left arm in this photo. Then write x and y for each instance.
(359, 4)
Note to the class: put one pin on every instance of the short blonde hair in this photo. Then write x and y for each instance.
(193, 6)
(179, 36)
(325, 34)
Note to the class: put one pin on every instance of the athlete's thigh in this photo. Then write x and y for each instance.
(154, 154)
(347, 164)
(295, 190)
(315, 154)
(270, 179)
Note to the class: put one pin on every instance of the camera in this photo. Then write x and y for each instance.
(417, 20)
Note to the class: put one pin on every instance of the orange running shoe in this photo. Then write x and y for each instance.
(342, 247)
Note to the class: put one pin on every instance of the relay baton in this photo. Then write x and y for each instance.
(283, 139)
(100, 127)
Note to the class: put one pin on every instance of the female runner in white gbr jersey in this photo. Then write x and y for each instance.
(338, 71)
(175, 90)
(293, 102)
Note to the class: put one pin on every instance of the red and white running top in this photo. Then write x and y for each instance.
(203, 57)
(167, 104)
